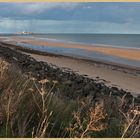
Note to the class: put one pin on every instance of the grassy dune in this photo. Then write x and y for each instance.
(31, 108)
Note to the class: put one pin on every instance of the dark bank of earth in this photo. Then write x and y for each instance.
(71, 85)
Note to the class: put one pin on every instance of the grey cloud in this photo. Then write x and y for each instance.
(101, 12)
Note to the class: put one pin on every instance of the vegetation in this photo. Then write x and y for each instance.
(31, 108)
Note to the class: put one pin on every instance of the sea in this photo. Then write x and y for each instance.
(114, 40)
(109, 40)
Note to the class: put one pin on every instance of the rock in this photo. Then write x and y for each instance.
(114, 88)
(79, 79)
(137, 99)
(69, 82)
(114, 93)
(31, 67)
(86, 91)
(87, 87)
(121, 92)
(15, 58)
(128, 95)
(138, 96)
(105, 90)
(92, 94)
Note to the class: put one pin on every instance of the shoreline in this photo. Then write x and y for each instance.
(124, 57)
(128, 53)
(103, 62)
(112, 75)
(79, 43)
(72, 42)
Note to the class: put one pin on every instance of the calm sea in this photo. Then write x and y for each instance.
(115, 40)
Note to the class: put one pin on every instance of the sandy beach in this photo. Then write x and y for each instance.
(126, 80)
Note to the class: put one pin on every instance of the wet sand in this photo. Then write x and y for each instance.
(132, 54)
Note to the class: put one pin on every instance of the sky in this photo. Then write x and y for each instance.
(70, 17)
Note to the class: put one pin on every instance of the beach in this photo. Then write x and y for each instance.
(117, 75)
(127, 80)
(129, 53)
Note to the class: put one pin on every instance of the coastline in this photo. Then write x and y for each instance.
(122, 77)
(110, 76)
(86, 59)
(128, 53)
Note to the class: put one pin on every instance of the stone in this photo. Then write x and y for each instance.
(114, 88)
(105, 90)
(69, 82)
(79, 78)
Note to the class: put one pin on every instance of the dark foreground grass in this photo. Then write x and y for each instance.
(31, 108)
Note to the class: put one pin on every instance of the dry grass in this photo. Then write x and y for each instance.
(27, 108)
(87, 120)
(31, 108)
(131, 122)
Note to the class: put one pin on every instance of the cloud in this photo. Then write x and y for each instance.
(70, 17)
(53, 26)
(44, 7)
(25, 10)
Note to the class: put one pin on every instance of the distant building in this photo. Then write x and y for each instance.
(25, 33)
